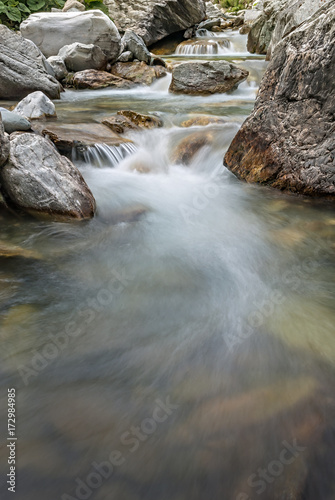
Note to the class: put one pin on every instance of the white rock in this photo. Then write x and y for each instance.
(78, 57)
(50, 31)
(73, 4)
(36, 105)
(58, 66)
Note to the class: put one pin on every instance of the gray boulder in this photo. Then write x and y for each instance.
(13, 122)
(288, 142)
(209, 23)
(38, 180)
(155, 19)
(73, 5)
(58, 66)
(79, 56)
(36, 105)
(134, 43)
(4, 144)
(210, 77)
(52, 30)
(126, 56)
(24, 69)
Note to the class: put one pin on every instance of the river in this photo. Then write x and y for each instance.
(180, 345)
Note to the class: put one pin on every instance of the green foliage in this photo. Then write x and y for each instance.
(234, 5)
(13, 12)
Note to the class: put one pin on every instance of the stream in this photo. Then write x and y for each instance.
(180, 345)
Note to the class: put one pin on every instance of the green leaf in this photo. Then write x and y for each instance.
(14, 14)
(35, 4)
(23, 8)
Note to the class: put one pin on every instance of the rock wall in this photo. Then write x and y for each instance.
(155, 19)
(288, 142)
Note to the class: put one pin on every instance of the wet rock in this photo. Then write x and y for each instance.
(209, 24)
(190, 146)
(7, 250)
(58, 67)
(72, 5)
(4, 144)
(38, 180)
(78, 136)
(189, 33)
(202, 121)
(119, 124)
(93, 79)
(288, 141)
(138, 72)
(36, 105)
(126, 56)
(51, 31)
(13, 121)
(134, 43)
(24, 69)
(201, 78)
(156, 19)
(130, 120)
(79, 56)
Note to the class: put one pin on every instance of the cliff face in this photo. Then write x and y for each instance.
(155, 19)
(288, 142)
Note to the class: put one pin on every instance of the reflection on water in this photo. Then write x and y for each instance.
(181, 344)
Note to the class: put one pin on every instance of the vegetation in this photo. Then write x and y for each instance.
(235, 5)
(13, 12)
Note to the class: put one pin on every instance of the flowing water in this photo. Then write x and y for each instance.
(180, 345)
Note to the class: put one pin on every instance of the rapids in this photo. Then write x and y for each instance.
(180, 345)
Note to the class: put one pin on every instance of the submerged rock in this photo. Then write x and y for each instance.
(79, 56)
(13, 122)
(130, 120)
(202, 121)
(201, 78)
(38, 180)
(93, 79)
(190, 146)
(156, 19)
(138, 72)
(24, 69)
(52, 30)
(78, 136)
(36, 105)
(288, 142)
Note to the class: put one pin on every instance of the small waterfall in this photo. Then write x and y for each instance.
(202, 47)
(102, 155)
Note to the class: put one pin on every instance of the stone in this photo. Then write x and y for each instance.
(119, 124)
(130, 120)
(36, 105)
(79, 136)
(8, 250)
(288, 142)
(202, 121)
(210, 23)
(126, 56)
(134, 43)
(250, 16)
(73, 4)
(51, 31)
(189, 33)
(93, 79)
(24, 69)
(201, 78)
(213, 11)
(138, 72)
(4, 144)
(58, 67)
(13, 121)
(79, 56)
(155, 19)
(38, 180)
(190, 146)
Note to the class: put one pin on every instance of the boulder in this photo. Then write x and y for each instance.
(79, 56)
(93, 79)
(4, 144)
(38, 180)
(278, 18)
(134, 43)
(210, 23)
(24, 69)
(130, 120)
(36, 105)
(213, 11)
(126, 56)
(78, 136)
(58, 67)
(52, 30)
(288, 142)
(138, 72)
(201, 78)
(73, 5)
(155, 19)
(13, 121)
(188, 147)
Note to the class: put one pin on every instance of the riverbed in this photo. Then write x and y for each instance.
(182, 342)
